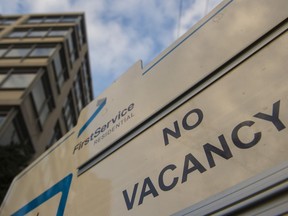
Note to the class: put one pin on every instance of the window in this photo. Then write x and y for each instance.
(79, 30)
(7, 21)
(55, 136)
(78, 92)
(70, 19)
(37, 33)
(57, 64)
(68, 112)
(24, 52)
(2, 119)
(52, 19)
(71, 46)
(18, 81)
(17, 34)
(41, 102)
(35, 20)
(59, 67)
(42, 52)
(2, 51)
(39, 95)
(87, 80)
(57, 33)
(16, 78)
(18, 52)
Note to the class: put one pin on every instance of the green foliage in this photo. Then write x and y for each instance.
(12, 161)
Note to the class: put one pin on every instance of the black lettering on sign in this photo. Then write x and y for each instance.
(130, 202)
(274, 118)
(237, 141)
(196, 166)
(151, 190)
(176, 133)
(225, 152)
(241, 140)
(162, 185)
(199, 114)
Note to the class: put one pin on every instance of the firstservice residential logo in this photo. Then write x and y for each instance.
(105, 128)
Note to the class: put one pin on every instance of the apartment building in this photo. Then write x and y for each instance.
(45, 78)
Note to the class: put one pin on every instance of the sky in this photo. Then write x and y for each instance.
(121, 32)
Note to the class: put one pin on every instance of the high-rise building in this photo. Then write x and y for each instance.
(45, 78)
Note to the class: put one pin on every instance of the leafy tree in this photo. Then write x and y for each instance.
(12, 161)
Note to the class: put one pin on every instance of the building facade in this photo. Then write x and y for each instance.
(45, 78)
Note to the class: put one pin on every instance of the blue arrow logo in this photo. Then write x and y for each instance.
(101, 103)
(62, 186)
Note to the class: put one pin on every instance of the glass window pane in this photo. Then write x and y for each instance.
(44, 114)
(18, 52)
(17, 34)
(37, 33)
(42, 52)
(55, 136)
(57, 64)
(72, 56)
(8, 21)
(18, 81)
(38, 95)
(80, 105)
(2, 51)
(69, 123)
(79, 30)
(34, 20)
(2, 119)
(52, 19)
(60, 80)
(70, 19)
(57, 33)
(70, 44)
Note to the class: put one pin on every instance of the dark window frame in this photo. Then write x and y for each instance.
(68, 112)
(56, 135)
(57, 18)
(79, 92)
(48, 102)
(72, 47)
(8, 20)
(87, 80)
(48, 30)
(63, 74)
(31, 48)
(14, 71)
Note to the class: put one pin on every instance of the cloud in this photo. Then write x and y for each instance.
(10, 7)
(121, 32)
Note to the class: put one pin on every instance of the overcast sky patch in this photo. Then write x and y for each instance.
(122, 32)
